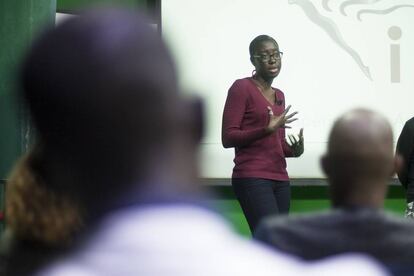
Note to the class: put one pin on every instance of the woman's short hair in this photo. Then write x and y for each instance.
(257, 41)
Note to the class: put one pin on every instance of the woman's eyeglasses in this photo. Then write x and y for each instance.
(267, 57)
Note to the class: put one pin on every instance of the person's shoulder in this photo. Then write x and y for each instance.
(396, 231)
(383, 220)
(241, 87)
(293, 222)
(279, 93)
(213, 244)
(278, 90)
(244, 82)
(410, 123)
(408, 128)
(398, 221)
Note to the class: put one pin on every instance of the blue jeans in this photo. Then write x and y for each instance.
(259, 198)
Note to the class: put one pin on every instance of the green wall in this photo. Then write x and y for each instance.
(19, 21)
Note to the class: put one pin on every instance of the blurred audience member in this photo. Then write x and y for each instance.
(359, 163)
(405, 148)
(118, 137)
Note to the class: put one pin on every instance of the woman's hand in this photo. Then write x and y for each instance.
(280, 121)
(297, 146)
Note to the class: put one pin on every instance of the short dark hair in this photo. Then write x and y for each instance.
(257, 41)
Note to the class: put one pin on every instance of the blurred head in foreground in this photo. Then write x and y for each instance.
(103, 96)
(360, 159)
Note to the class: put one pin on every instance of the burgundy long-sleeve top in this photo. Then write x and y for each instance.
(258, 154)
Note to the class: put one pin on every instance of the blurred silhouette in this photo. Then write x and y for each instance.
(359, 163)
(120, 139)
(405, 148)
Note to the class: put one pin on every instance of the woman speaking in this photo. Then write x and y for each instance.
(254, 122)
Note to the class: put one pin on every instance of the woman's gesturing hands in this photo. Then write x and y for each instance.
(297, 145)
(281, 120)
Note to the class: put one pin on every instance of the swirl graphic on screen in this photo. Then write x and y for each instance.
(348, 3)
(328, 25)
(325, 5)
(386, 11)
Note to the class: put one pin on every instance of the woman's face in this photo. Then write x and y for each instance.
(267, 60)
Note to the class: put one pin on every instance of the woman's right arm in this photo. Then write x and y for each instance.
(231, 133)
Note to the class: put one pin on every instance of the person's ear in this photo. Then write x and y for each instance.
(398, 164)
(325, 165)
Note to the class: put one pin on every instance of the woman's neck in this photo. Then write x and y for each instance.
(265, 84)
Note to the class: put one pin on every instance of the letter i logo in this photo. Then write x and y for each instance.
(394, 33)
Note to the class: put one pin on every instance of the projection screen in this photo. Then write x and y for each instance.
(337, 55)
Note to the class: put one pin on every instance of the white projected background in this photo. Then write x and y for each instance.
(337, 55)
(61, 17)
